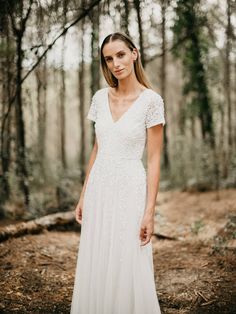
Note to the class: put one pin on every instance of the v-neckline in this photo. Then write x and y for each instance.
(126, 112)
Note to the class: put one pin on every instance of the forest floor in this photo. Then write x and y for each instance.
(194, 273)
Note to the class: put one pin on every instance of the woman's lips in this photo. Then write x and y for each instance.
(118, 72)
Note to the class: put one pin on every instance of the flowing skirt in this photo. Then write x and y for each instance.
(114, 273)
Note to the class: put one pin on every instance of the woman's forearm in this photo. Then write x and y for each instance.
(154, 149)
(153, 176)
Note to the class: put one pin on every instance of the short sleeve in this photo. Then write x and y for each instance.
(92, 113)
(155, 112)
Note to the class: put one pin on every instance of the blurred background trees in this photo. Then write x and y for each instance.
(49, 69)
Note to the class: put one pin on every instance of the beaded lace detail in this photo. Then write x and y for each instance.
(155, 112)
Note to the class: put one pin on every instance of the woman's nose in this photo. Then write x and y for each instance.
(116, 62)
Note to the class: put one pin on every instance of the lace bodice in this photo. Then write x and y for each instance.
(126, 137)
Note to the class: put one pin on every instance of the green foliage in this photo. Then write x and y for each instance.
(225, 235)
(191, 46)
(196, 226)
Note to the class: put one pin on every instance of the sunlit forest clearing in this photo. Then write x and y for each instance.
(49, 70)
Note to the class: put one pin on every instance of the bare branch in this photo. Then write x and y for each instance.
(62, 33)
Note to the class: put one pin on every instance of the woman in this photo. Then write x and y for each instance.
(114, 273)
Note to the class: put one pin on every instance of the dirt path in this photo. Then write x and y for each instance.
(194, 274)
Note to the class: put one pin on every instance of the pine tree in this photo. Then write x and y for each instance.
(192, 48)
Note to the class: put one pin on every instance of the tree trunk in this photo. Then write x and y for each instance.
(205, 114)
(41, 76)
(95, 64)
(140, 28)
(228, 77)
(124, 22)
(234, 84)
(81, 106)
(163, 77)
(62, 98)
(5, 147)
(42, 80)
(49, 222)
(21, 169)
(223, 151)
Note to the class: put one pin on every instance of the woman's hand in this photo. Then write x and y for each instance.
(147, 228)
(78, 211)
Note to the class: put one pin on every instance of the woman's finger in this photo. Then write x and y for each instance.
(146, 241)
(142, 233)
(78, 216)
(145, 235)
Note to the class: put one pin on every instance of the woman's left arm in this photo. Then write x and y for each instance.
(154, 149)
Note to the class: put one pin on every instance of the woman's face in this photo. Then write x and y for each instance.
(119, 58)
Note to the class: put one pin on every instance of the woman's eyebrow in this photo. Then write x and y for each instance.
(116, 53)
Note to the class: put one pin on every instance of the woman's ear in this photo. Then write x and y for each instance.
(135, 54)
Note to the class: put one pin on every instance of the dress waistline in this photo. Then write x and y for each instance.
(112, 157)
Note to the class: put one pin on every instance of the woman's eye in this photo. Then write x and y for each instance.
(120, 55)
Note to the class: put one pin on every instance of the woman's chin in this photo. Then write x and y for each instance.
(122, 76)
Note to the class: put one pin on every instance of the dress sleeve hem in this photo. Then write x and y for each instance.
(155, 123)
(91, 118)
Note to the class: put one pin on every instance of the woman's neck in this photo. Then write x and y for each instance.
(129, 85)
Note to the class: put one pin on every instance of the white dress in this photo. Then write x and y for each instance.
(114, 273)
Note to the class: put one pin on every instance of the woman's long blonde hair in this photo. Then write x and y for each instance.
(138, 68)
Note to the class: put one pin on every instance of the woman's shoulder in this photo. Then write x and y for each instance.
(153, 98)
(153, 94)
(100, 92)
(155, 113)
